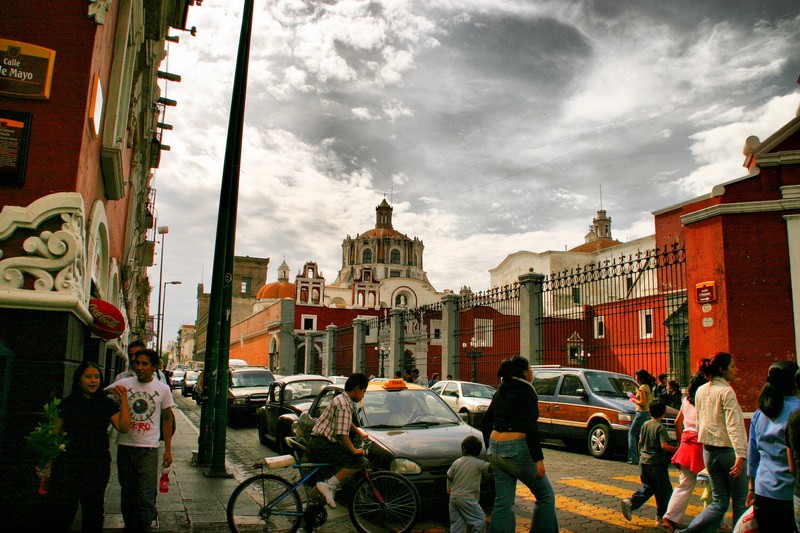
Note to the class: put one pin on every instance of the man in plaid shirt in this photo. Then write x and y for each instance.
(330, 436)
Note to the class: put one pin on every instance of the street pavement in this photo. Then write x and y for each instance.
(587, 490)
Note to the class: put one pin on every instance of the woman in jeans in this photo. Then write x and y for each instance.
(720, 428)
(771, 482)
(511, 434)
(642, 399)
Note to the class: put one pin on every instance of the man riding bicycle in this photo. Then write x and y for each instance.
(330, 437)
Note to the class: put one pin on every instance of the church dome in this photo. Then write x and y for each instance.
(281, 288)
(277, 289)
(384, 233)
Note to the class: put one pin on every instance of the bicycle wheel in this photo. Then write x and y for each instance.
(264, 503)
(392, 506)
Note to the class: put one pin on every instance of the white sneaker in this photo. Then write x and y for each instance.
(625, 507)
(326, 491)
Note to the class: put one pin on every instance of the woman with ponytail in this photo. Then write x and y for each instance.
(720, 428)
(771, 482)
(642, 400)
(511, 434)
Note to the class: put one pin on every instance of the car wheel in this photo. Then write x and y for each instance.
(262, 437)
(599, 440)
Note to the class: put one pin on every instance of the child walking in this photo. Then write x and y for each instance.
(464, 486)
(653, 463)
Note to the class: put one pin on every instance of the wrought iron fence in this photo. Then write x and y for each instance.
(488, 332)
(422, 339)
(619, 315)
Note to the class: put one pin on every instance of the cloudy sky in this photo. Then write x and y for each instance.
(490, 125)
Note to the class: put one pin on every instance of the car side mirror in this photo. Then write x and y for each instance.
(464, 416)
(582, 393)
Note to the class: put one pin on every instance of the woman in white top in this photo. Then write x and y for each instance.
(720, 428)
(688, 458)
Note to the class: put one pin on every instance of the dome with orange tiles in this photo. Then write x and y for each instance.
(277, 289)
(281, 288)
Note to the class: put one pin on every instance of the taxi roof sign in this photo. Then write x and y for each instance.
(395, 384)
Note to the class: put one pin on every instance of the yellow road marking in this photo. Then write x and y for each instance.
(698, 490)
(616, 492)
(601, 514)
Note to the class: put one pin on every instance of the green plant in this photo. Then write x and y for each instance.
(45, 444)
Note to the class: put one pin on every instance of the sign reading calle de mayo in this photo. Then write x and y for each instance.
(26, 70)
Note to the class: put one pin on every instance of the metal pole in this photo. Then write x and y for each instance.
(162, 230)
(213, 421)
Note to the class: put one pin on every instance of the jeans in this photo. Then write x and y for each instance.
(633, 435)
(466, 516)
(511, 461)
(724, 488)
(655, 480)
(138, 478)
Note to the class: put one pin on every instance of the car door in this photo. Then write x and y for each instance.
(570, 407)
(545, 383)
(272, 409)
(450, 395)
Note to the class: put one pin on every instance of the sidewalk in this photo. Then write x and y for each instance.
(194, 503)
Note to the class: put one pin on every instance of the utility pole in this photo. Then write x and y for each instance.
(214, 416)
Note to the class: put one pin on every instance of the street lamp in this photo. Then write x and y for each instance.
(163, 300)
(161, 230)
(473, 354)
(383, 353)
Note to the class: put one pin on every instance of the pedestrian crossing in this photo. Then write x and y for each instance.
(594, 506)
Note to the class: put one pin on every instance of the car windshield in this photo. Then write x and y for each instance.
(303, 389)
(474, 390)
(252, 379)
(407, 407)
(192, 376)
(611, 384)
(178, 374)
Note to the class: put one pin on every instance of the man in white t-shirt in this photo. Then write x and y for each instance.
(134, 348)
(150, 403)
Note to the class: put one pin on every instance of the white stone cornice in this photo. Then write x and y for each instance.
(13, 217)
(741, 208)
(48, 271)
(778, 158)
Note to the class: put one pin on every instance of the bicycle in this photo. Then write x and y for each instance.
(382, 501)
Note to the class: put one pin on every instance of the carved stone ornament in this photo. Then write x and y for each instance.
(98, 10)
(54, 260)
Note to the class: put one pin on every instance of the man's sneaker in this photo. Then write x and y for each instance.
(625, 507)
(327, 492)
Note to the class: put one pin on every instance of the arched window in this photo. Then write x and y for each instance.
(366, 256)
(395, 257)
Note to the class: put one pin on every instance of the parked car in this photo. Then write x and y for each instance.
(292, 394)
(176, 378)
(590, 406)
(413, 431)
(247, 391)
(471, 400)
(188, 382)
(338, 380)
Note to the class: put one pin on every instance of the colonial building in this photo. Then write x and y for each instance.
(381, 269)
(81, 121)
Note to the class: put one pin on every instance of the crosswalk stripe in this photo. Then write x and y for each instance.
(636, 479)
(616, 492)
(601, 514)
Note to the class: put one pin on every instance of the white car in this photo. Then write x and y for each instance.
(466, 398)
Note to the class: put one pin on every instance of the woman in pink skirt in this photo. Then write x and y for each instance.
(689, 457)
